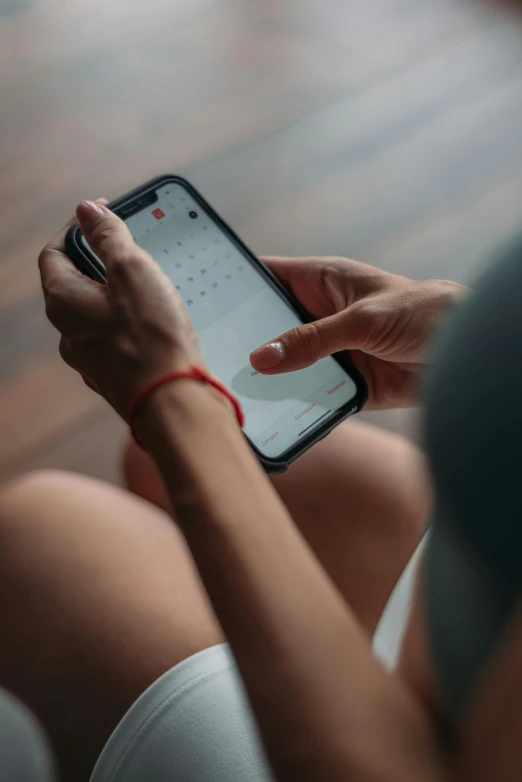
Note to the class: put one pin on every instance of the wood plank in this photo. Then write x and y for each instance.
(30, 335)
(369, 122)
(377, 117)
(92, 445)
(39, 404)
(349, 133)
(461, 241)
(101, 127)
(337, 201)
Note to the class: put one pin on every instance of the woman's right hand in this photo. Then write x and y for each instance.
(384, 320)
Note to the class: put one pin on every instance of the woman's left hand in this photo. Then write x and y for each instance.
(121, 335)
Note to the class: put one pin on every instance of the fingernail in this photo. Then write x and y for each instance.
(87, 212)
(269, 355)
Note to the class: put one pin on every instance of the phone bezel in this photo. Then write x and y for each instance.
(89, 265)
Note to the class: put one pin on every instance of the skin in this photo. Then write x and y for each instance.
(325, 707)
(383, 319)
(105, 583)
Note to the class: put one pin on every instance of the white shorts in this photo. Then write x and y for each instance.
(194, 723)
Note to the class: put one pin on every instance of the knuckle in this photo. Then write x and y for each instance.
(127, 349)
(103, 237)
(306, 339)
(42, 257)
(129, 260)
(120, 262)
(369, 324)
(53, 304)
(65, 351)
(90, 384)
(129, 263)
(363, 313)
(361, 308)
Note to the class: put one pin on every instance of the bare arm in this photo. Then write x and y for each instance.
(325, 707)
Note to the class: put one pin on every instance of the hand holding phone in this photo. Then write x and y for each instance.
(234, 304)
(327, 305)
(120, 336)
(384, 320)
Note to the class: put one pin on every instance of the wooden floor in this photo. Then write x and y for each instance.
(387, 130)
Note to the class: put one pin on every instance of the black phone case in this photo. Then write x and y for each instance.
(92, 268)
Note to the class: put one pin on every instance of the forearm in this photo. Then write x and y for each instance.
(324, 707)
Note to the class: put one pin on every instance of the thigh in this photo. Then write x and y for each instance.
(359, 497)
(98, 597)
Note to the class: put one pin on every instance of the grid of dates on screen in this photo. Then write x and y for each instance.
(209, 272)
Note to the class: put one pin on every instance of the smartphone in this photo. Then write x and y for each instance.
(236, 305)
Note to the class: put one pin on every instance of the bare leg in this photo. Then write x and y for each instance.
(360, 499)
(98, 597)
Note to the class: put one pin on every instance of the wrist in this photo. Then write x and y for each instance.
(179, 405)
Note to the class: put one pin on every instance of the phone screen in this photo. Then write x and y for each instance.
(234, 310)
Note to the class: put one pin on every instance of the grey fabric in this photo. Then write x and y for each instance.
(24, 754)
(466, 611)
(473, 436)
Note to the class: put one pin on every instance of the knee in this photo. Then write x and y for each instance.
(31, 485)
(29, 488)
(23, 528)
(28, 500)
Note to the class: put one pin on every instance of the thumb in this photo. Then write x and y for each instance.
(107, 236)
(306, 344)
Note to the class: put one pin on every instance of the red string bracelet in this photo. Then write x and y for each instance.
(193, 372)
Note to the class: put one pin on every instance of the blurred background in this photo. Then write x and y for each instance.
(385, 130)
